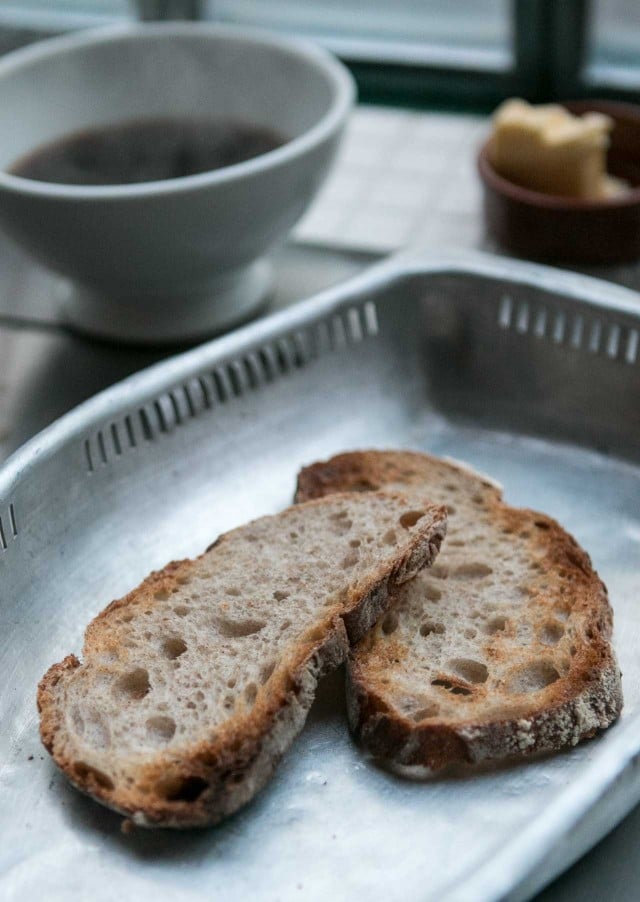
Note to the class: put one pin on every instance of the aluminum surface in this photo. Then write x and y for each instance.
(527, 373)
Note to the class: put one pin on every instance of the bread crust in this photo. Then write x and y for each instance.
(572, 708)
(224, 771)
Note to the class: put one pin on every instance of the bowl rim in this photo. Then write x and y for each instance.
(540, 200)
(334, 72)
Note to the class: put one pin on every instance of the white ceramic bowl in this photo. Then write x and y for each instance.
(174, 259)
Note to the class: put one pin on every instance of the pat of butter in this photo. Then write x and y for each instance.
(547, 149)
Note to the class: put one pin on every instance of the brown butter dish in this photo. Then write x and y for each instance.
(568, 229)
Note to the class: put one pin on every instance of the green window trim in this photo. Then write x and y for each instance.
(548, 59)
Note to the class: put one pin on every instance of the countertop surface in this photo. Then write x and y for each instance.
(375, 201)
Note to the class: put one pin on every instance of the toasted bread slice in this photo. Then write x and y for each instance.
(500, 650)
(195, 684)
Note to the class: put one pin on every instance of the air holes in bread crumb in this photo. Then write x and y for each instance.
(181, 610)
(533, 677)
(355, 543)
(161, 729)
(135, 684)
(280, 596)
(161, 595)
(173, 647)
(233, 590)
(389, 538)
(427, 627)
(552, 632)
(428, 711)
(469, 670)
(410, 518)
(470, 633)
(390, 623)
(432, 592)
(340, 523)
(78, 721)
(440, 571)
(238, 629)
(471, 570)
(181, 789)
(451, 687)
(350, 560)
(92, 775)
(497, 624)
(363, 485)
(251, 693)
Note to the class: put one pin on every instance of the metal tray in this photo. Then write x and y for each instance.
(527, 373)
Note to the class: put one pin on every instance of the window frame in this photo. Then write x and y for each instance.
(550, 40)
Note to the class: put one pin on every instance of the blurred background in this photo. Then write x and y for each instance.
(469, 53)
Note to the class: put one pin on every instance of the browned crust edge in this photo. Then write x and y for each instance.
(431, 747)
(239, 760)
(574, 709)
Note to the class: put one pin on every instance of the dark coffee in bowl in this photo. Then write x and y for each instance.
(146, 151)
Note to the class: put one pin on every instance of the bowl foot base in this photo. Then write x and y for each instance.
(169, 318)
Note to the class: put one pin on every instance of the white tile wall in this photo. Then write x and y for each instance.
(400, 178)
(409, 179)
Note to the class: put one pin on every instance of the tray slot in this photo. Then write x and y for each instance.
(205, 381)
(145, 423)
(370, 317)
(229, 380)
(338, 333)
(576, 330)
(595, 336)
(130, 431)
(540, 323)
(286, 355)
(505, 311)
(8, 528)
(354, 326)
(102, 448)
(613, 342)
(88, 456)
(522, 318)
(115, 439)
(303, 348)
(181, 405)
(222, 383)
(268, 360)
(576, 338)
(239, 378)
(254, 368)
(196, 397)
(559, 327)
